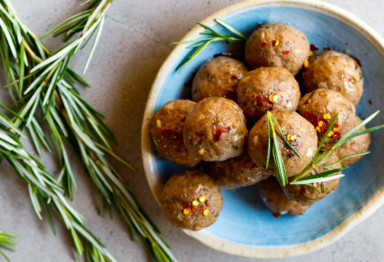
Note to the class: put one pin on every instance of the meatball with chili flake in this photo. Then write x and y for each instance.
(267, 88)
(321, 106)
(336, 71)
(191, 200)
(273, 197)
(277, 44)
(299, 133)
(218, 77)
(215, 129)
(167, 132)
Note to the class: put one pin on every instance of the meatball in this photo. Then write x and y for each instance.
(356, 145)
(274, 198)
(267, 88)
(191, 200)
(299, 132)
(218, 77)
(215, 129)
(277, 44)
(336, 71)
(303, 193)
(236, 172)
(321, 106)
(167, 132)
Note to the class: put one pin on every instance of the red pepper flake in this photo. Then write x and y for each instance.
(246, 164)
(186, 204)
(259, 100)
(263, 44)
(201, 208)
(194, 210)
(336, 126)
(253, 96)
(370, 101)
(286, 52)
(306, 114)
(276, 214)
(357, 60)
(247, 112)
(327, 48)
(303, 191)
(273, 42)
(336, 135)
(317, 185)
(217, 133)
(177, 136)
(314, 47)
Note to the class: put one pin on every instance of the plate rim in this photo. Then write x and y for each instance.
(156, 184)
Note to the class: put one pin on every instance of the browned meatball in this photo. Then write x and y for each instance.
(167, 132)
(277, 44)
(336, 71)
(267, 88)
(274, 198)
(356, 145)
(236, 172)
(303, 193)
(215, 129)
(218, 77)
(191, 200)
(298, 131)
(321, 106)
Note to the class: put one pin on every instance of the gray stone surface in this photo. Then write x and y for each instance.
(134, 44)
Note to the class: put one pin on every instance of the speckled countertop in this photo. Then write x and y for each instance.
(134, 44)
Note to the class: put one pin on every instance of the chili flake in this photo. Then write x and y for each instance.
(195, 203)
(194, 210)
(206, 212)
(202, 199)
(327, 116)
(336, 135)
(263, 44)
(246, 164)
(275, 42)
(276, 214)
(286, 52)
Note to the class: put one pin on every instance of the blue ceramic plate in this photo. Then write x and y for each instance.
(245, 227)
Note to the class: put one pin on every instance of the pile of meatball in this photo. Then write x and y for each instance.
(223, 133)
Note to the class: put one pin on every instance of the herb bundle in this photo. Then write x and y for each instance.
(6, 243)
(40, 79)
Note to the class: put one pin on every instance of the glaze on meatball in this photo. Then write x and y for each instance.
(274, 198)
(336, 71)
(215, 129)
(258, 89)
(321, 106)
(303, 193)
(236, 172)
(277, 44)
(218, 77)
(167, 128)
(356, 145)
(191, 200)
(290, 123)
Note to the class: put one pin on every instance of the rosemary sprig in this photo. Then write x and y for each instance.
(6, 243)
(73, 122)
(305, 177)
(45, 191)
(210, 36)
